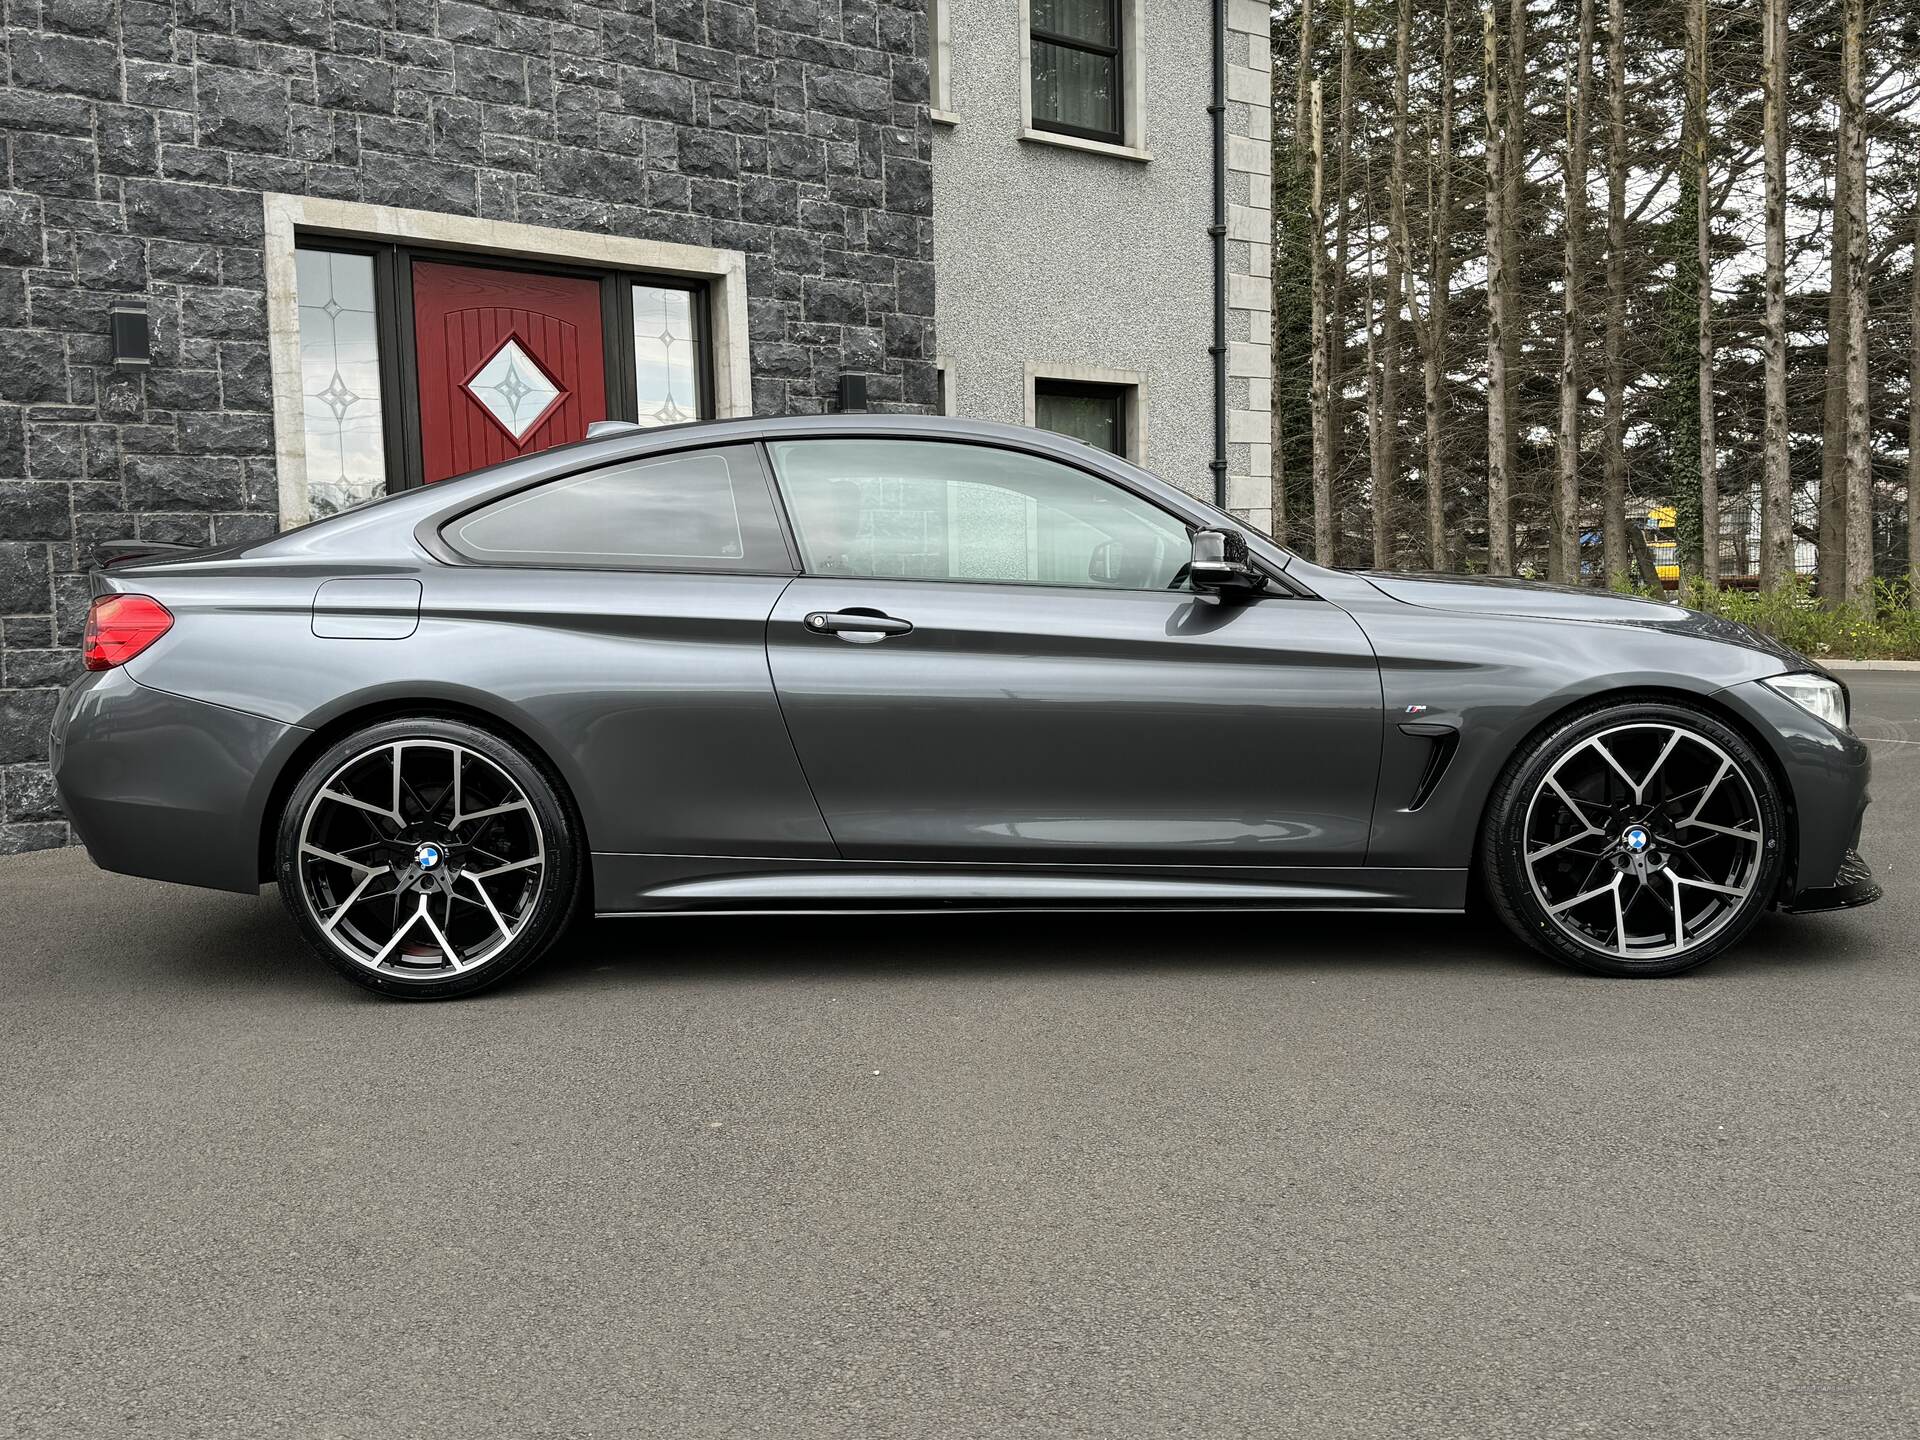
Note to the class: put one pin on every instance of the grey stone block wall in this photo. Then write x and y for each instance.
(136, 137)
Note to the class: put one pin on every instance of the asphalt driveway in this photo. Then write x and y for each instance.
(974, 1177)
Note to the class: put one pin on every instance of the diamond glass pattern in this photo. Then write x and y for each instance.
(513, 389)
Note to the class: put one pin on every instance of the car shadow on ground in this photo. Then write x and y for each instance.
(228, 943)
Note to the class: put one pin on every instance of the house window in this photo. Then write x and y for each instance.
(417, 365)
(666, 356)
(340, 379)
(1096, 414)
(940, 63)
(1078, 75)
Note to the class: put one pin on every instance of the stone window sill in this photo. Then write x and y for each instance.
(1092, 147)
(942, 117)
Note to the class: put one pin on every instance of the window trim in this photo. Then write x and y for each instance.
(807, 573)
(443, 548)
(1129, 142)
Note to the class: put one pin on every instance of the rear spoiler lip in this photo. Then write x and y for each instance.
(110, 553)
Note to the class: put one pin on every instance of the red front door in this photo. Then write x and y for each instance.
(510, 362)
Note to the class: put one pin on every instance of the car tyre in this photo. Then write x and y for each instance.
(1634, 838)
(427, 858)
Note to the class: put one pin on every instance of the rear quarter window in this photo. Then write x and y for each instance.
(694, 510)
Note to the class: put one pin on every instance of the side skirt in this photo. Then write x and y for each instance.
(665, 884)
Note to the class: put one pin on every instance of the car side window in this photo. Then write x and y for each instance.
(694, 510)
(934, 510)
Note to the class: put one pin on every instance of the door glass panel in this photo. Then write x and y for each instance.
(665, 377)
(703, 510)
(340, 379)
(910, 509)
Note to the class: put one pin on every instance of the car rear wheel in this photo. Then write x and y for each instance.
(427, 858)
(1637, 838)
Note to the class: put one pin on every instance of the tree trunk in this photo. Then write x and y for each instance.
(1859, 484)
(1776, 485)
(1563, 555)
(1513, 169)
(1322, 410)
(1614, 518)
(1377, 502)
(1913, 424)
(1709, 449)
(1336, 298)
(1277, 485)
(1431, 334)
(1832, 572)
(1499, 498)
(1386, 448)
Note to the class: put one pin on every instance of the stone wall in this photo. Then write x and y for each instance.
(137, 136)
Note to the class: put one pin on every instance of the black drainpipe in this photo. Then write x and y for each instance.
(1218, 230)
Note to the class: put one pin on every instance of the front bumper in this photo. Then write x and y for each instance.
(166, 787)
(1852, 887)
(1826, 773)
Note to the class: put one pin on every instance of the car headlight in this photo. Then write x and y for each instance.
(1814, 694)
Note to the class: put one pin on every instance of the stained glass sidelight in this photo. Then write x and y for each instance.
(340, 379)
(664, 360)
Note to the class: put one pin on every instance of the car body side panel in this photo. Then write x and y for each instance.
(1497, 679)
(649, 692)
(166, 787)
(1054, 724)
(1827, 774)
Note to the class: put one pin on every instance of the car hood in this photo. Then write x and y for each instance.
(1529, 599)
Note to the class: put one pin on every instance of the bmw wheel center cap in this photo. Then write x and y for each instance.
(1636, 839)
(427, 856)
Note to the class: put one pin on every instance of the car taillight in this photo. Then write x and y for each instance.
(119, 627)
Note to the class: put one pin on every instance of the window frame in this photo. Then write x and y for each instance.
(398, 342)
(1117, 52)
(443, 547)
(779, 485)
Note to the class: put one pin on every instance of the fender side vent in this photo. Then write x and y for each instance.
(1442, 741)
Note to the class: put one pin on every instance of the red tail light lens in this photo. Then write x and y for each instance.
(119, 627)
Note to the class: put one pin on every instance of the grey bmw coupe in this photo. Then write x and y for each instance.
(860, 662)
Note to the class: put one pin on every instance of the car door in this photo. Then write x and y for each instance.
(992, 657)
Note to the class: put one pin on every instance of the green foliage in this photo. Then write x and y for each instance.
(1888, 628)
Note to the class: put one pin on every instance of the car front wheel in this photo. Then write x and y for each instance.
(427, 858)
(1637, 838)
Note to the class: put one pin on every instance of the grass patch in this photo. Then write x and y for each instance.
(1885, 627)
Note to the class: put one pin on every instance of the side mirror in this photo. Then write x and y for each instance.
(1103, 565)
(1220, 564)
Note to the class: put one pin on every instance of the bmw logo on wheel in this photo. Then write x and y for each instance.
(1636, 839)
(427, 856)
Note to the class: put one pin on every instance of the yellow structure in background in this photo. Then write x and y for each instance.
(1663, 536)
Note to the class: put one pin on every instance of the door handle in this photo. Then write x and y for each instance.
(860, 627)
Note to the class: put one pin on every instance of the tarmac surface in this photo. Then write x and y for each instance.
(989, 1176)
